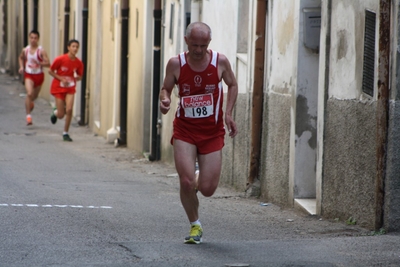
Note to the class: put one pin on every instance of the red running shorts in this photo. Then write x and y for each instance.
(37, 79)
(205, 143)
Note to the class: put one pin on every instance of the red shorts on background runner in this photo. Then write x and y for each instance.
(61, 95)
(205, 143)
(37, 79)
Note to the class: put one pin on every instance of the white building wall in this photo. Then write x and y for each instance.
(172, 44)
(222, 17)
(282, 81)
(347, 47)
(346, 169)
(283, 53)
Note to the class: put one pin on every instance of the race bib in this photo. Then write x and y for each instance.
(198, 106)
(33, 67)
(70, 82)
(33, 71)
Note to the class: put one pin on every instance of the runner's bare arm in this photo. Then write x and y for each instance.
(79, 73)
(170, 79)
(46, 61)
(230, 80)
(58, 77)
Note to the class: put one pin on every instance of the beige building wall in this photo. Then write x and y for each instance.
(61, 18)
(46, 37)
(14, 36)
(101, 64)
(94, 67)
(104, 73)
(137, 91)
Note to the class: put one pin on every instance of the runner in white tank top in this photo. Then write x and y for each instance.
(33, 59)
(31, 62)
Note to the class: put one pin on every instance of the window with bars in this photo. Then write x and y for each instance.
(171, 22)
(369, 53)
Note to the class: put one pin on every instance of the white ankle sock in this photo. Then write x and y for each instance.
(196, 223)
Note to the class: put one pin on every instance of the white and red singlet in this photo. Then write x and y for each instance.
(32, 65)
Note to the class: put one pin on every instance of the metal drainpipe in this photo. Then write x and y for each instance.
(258, 91)
(5, 27)
(35, 14)
(26, 22)
(124, 71)
(382, 108)
(155, 123)
(84, 45)
(66, 25)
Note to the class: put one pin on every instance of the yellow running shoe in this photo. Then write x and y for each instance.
(196, 232)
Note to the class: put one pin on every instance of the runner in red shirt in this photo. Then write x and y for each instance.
(198, 126)
(66, 69)
(31, 62)
(199, 118)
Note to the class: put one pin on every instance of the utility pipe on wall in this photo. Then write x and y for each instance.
(258, 91)
(155, 124)
(26, 22)
(124, 72)
(84, 48)
(382, 113)
(35, 14)
(66, 24)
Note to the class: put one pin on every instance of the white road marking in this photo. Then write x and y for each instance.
(54, 206)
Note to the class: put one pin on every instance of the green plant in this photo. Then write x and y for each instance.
(379, 232)
(351, 221)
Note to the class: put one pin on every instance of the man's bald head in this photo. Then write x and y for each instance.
(199, 27)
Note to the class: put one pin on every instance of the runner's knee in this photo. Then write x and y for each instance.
(68, 111)
(207, 190)
(29, 94)
(187, 184)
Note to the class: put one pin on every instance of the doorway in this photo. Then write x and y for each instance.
(306, 107)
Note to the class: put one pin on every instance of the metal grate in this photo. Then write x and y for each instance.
(171, 22)
(369, 53)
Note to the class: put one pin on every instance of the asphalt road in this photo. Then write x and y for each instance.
(87, 203)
